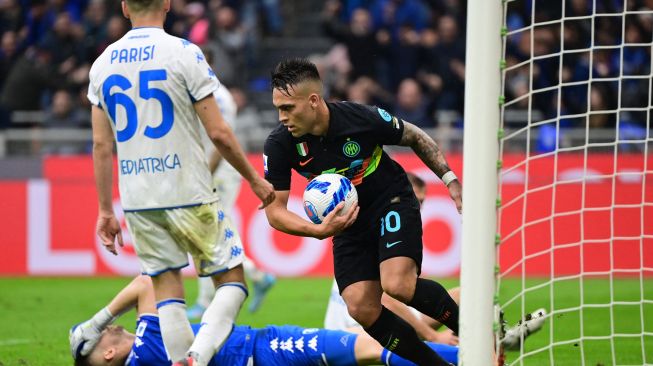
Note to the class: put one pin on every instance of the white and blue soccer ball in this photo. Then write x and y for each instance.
(324, 192)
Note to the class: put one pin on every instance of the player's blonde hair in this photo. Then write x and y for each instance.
(139, 6)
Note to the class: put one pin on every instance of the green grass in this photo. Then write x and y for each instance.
(594, 320)
(36, 313)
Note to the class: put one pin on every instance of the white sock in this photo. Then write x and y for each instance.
(206, 291)
(217, 321)
(251, 271)
(175, 328)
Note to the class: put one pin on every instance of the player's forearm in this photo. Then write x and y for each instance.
(425, 148)
(367, 350)
(290, 223)
(127, 298)
(229, 148)
(223, 137)
(102, 165)
(405, 313)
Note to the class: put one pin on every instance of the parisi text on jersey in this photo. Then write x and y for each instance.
(134, 54)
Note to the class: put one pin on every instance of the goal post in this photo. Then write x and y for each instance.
(480, 155)
(558, 180)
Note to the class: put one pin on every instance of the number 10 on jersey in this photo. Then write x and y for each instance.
(391, 223)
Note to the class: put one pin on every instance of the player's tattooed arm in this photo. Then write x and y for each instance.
(424, 146)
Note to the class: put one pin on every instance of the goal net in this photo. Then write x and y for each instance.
(575, 180)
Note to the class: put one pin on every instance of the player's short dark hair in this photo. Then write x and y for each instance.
(416, 181)
(292, 72)
(82, 361)
(141, 5)
(86, 360)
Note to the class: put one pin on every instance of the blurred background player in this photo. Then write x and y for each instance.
(227, 181)
(271, 346)
(164, 88)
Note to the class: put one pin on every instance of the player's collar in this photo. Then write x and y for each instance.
(330, 122)
(146, 27)
(130, 357)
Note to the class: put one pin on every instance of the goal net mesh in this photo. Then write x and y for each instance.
(575, 207)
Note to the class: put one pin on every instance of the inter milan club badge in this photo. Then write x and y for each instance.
(302, 148)
(351, 148)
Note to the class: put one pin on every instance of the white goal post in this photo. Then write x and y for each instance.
(480, 154)
(558, 180)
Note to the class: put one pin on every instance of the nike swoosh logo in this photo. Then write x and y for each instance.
(302, 163)
(390, 245)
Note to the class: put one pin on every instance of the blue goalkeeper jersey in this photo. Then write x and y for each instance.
(269, 346)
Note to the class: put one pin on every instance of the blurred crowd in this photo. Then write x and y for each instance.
(48, 46)
(407, 56)
(605, 66)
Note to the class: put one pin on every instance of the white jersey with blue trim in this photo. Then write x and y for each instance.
(228, 108)
(146, 83)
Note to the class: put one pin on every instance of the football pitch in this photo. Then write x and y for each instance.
(36, 313)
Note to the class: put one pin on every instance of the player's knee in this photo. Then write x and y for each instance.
(399, 288)
(364, 314)
(143, 281)
(235, 274)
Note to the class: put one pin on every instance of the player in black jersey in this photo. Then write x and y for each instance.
(377, 245)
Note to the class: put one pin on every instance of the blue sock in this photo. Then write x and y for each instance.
(448, 353)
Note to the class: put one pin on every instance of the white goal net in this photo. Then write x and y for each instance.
(575, 192)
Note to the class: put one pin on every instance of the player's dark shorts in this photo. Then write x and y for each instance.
(396, 232)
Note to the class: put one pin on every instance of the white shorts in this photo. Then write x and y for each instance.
(337, 317)
(164, 238)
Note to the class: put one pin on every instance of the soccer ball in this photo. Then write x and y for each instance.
(324, 192)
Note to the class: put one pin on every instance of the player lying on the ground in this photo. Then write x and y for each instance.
(337, 318)
(272, 345)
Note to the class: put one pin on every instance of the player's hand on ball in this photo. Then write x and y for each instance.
(108, 229)
(82, 338)
(456, 193)
(336, 221)
(264, 191)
